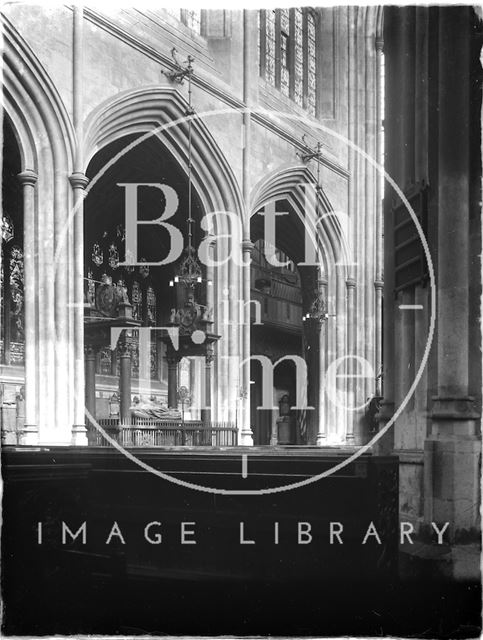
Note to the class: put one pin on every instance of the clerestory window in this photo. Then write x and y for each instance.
(288, 53)
(192, 18)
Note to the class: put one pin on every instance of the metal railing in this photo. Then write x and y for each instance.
(146, 432)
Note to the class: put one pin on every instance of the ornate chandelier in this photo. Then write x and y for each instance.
(189, 272)
(317, 312)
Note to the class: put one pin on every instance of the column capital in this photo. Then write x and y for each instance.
(210, 238)
(247, 246)
(378, 284)
(124, 348)
(350, 283)
(28, 177)
(30, 434)
(90, 351)
(172, 360)
(78, 180)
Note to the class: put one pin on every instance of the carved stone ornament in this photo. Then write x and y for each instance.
(97, 257)
(113, 256)
(108, 297)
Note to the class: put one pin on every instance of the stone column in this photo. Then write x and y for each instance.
(246, 433)
(394, 141)
(124, 352)
(379, 280)
(378, 286)
(312, 340)
(90, 380)
(206, 410)
(352, 388)
(453, 449)
(172, 381)
(30, 433)
(79, 182)
(321, 439)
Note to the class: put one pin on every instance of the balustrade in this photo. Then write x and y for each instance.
(146, 432)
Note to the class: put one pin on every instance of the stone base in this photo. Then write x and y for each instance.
(285, 430)
(30, 435)
(321, 440)
(452, 483)
(79, 435)
(246, 438)
(459, 562)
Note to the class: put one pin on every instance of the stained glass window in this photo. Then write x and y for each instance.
(284, 51)
(176, 13)
(192, 19)
(288, 53)
(270, 47)
(299, 58)
(311, 64)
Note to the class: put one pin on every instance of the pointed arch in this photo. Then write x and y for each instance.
(332, 241)
(47, 143)
(161, 111)
(34, 106)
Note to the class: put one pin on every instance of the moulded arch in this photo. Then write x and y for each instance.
(287, 183)
(47, 145)
(39, 118)
(161, 111)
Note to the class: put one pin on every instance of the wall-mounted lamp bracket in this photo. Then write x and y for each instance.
(181, 70)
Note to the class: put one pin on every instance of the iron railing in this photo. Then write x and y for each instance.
(147, 432)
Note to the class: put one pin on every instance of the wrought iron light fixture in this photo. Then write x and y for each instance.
(317, 312)
(189, 272)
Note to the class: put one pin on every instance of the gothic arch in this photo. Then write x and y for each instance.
(161, 110)
(336, 255)
(37, 113)
(287, 183)
(46, 141)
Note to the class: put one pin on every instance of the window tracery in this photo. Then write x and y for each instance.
(288, 53)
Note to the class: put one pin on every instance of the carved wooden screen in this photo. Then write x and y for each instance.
(104, 257)
(12, 287)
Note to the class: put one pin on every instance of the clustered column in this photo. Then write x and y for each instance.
(79, 182)
(206, 410)
(28, 180)
(351, 351)
(246, 433)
